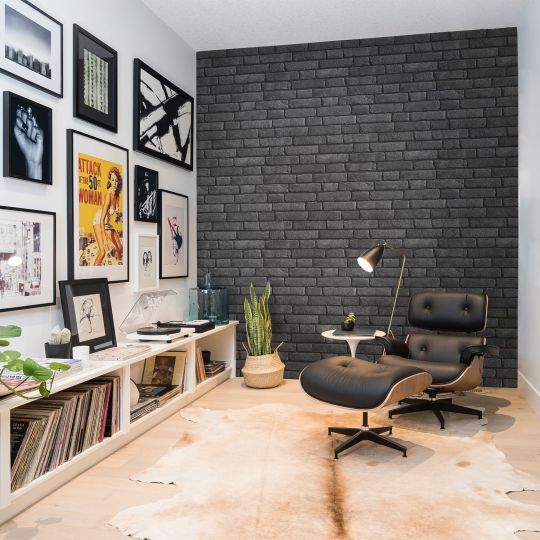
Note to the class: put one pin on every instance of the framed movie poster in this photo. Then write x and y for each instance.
(27, 258)
(86, 307)
(97, 198)
(173, 234)
(27, 139)
(162, 117)
(146, 189)
(147, 261)
(95, 74)
(31, 42)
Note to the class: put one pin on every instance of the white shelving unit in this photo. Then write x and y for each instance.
(221, 341)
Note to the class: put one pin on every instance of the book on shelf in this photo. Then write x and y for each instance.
(159, 392)
(199, 366)
(125, 352)
(142, 408)
(48, 432)
(213, 368)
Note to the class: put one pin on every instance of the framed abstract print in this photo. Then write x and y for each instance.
(27, 258)
(87, 311)
(162, 117)
(147, 262)
(95, 80)
(146, 194)
(27, 139)
(31, 43)
(97, 195)
(173, 231)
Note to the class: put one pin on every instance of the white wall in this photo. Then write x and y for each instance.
(130, 28)
(529, 204)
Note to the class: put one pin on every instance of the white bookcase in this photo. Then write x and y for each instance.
(221, 341)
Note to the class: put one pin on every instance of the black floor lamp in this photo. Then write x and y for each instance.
(369, 260)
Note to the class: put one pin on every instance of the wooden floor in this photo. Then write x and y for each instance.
(81, 509)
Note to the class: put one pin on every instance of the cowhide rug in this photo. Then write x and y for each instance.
(267, 473)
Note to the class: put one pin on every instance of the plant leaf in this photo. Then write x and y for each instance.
(12, 355)
(15, 365)
(59, 366)
(10, 331)
(43, 390)
(4, 343)
(40, 373)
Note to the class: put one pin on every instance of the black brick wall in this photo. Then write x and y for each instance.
(309, 154)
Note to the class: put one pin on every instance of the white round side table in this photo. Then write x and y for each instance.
(352, 340)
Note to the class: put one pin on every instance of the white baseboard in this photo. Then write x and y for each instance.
(531, 394)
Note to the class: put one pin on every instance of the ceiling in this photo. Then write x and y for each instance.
(226, 24)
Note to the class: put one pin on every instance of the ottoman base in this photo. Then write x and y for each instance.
(365, 433)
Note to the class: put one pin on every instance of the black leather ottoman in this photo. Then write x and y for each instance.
(359, 384)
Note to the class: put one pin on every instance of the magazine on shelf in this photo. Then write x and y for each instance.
(125, 352)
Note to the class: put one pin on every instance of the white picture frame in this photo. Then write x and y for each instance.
(146, 263)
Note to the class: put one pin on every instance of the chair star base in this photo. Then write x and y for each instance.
(365, 433)
(434, 405)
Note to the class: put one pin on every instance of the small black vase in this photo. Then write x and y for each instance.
(62, 350)
(347, 326)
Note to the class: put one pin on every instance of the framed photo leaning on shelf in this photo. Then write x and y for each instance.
(28, 258)
(27, 139)
(146, 194)
(95, 80)
(31, 43)
(146, 263)
(97, 200)
(86, 307)
(162, 117)
(173, 231)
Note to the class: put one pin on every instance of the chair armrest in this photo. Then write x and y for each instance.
(477, 350)
(393, 346)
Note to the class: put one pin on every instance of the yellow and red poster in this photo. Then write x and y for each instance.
(100, 211)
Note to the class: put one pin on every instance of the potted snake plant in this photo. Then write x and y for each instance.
(263, 367)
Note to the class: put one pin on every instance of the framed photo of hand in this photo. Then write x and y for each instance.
(27, 139)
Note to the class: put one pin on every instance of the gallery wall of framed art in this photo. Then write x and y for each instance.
(53, 132)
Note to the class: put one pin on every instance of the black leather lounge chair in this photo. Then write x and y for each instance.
(455, 361)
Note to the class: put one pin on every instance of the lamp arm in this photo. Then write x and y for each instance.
(389, 330)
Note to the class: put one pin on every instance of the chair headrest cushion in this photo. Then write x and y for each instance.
(459, 312)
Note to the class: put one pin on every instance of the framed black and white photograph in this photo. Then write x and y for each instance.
(27, 139)
(32, 42)
(97, 197)
(146, 194)
(87, 311)
(147, 262)
(95, 80)
(162, 117)
(27, 258)
(173, 231)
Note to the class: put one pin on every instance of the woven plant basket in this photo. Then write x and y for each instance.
(265, 371)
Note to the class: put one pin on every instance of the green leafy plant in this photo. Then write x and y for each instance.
(258, 322)
(11, 361)
(351, 317)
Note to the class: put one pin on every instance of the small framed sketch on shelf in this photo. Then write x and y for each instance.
(27, 258)
(147, 262)
(146, 194)
(27, 139)
(95, 74)
(162, 117)
(97, 196)
(86, 306)
(173, 231)
(31, 43)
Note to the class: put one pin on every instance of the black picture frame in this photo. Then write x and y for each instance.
(10, 278)
(99, 54)
(171, 257)
(40, 72)
(146, 199)
(83, 315)
(165, 130)
(94, 146)
(34, 128)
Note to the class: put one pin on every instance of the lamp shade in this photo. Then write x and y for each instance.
(370, 258)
